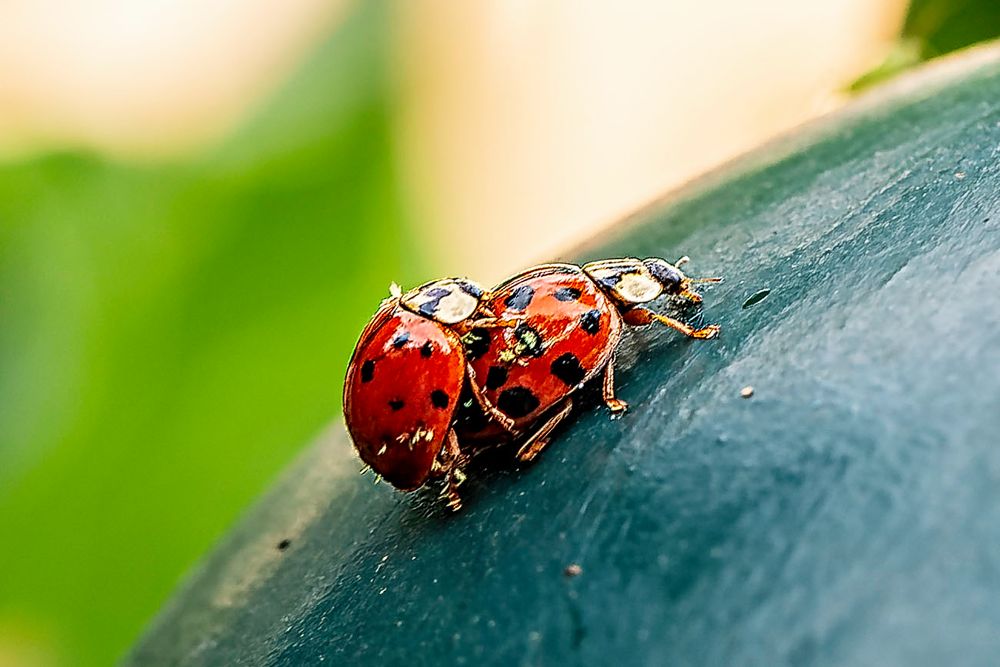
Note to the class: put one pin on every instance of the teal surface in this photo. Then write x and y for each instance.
(848, 513)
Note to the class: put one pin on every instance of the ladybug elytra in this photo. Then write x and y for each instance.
(403, 383)
(520, 351)
(562, 323)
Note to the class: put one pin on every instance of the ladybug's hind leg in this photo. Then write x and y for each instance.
(616, 405)
(539, 440)
(639, 316)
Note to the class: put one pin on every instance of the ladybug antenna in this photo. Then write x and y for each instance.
(704, 280)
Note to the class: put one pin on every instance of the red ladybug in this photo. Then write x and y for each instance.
(561, 325)
(403, 384)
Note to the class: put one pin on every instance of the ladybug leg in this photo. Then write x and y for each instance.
(693, 297)
(642, 316)
(539, 440)
(492, 323)
(616, 405)
(452, 467)
(491, 410)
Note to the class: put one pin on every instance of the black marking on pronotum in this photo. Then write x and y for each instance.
(434, 296)
(529, 341)
(426, 350)
(610, 280)
(284, 544)
(567, 294)
(568, 369)
(400, 339)
(496, 377)
(439, 399)
(590, 321)
(396, 404)
(471, 289)
(520, 297)
(367, 371)
(517, 402)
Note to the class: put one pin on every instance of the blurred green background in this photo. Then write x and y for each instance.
(173, 331)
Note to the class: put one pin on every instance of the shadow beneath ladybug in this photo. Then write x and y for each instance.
(645, 357)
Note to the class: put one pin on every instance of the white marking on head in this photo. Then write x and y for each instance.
(395, 291)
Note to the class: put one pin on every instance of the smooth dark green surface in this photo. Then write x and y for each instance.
(848, 513)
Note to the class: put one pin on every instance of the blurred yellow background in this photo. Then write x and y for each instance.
(202, 202)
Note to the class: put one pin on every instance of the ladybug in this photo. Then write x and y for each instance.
(403, 383)
(562, 325)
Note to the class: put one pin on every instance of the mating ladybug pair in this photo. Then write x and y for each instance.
(450, 363)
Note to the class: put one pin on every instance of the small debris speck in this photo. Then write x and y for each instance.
(573, 570)
(746, 392)
(959, 175)
(756, 298)
(284, 544)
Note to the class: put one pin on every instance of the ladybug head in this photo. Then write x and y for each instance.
(631, 281)
(674, 282)
(447, 301)
(668, 275)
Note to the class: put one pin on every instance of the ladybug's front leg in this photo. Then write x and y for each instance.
(640, 316)
(539, 440)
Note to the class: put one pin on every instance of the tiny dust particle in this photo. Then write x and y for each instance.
(746, 392)
(573, 570)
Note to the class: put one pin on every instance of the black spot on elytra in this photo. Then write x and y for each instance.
(520, 297)
(567, 294)
(590, 321)
(396, 404)
(367, 371)
(529, 340)
(284, 544)
(439, 399)
(496, 377)
(426, 350)
(568, 369)
(477, 343)
(400, 339)
(517, 402)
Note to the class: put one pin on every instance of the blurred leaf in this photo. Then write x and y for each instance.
(167, 333)
(934, 28)
(942, 26)
(904, 55)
